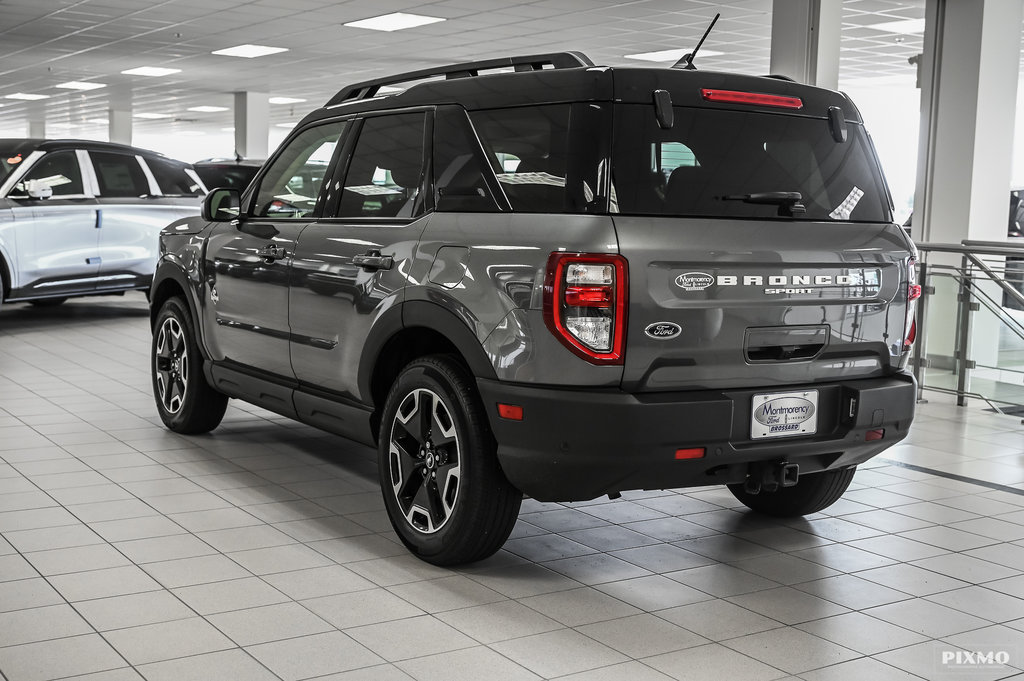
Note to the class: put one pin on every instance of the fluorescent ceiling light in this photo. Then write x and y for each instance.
(249, 51)
(903, 26)
(79, 85)
(152, 116)
(97, 121)
(396, 21)
(207, 109)
(285, 100)
(26, 96)
(152, 71)
(670, 55)
(228, 129)
(285, 125)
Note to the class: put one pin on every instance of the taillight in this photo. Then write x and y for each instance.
(585, 304)
(913, 293)
(752, 98)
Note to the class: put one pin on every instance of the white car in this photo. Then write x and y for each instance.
(81, 218)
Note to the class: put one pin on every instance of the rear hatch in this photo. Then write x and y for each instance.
(759, 240)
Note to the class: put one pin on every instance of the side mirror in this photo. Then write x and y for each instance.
(38, 189)
(222, 205)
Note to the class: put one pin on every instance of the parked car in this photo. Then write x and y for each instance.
(81, 218)
(558, 280)
(236, 173)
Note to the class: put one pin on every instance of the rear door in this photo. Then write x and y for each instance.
(57, 237)
(761, 251)
(248, 262)
(350, 267)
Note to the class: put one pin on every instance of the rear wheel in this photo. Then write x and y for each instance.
(445, 493)
(186, 402)
(809, 495)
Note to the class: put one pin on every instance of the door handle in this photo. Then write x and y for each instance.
(271, 253)
(373, 260)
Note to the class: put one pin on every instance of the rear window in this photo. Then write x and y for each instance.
(174, 179)
(711, 161)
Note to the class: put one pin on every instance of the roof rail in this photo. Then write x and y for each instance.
(532, 62)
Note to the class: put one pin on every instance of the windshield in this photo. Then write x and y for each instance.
(12, 153)
(743, 164)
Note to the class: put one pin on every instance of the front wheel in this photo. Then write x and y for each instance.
(810, 494)
(445, 493)
(186, 402)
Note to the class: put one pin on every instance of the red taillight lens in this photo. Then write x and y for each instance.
(691, 453)
(585, 304)
(914, 292)
(752, 98)
(512, 412)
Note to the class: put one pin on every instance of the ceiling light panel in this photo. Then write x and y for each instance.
(26, 96)
(396, 21)
(207, 109)
(80, 85)
(285, 100)
(249, 51)
(151, 116)
(151, 71)
(903, 26)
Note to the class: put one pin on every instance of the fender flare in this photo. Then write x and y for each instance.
(169, 270)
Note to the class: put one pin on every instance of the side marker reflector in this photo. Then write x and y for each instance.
(511, 412)
(692, 453)
(874, 435)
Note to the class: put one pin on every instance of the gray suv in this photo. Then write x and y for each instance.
(536, 276)
(81, 218)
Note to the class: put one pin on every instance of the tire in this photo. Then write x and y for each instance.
(47, 302)
(809, 495)
(445, 492)
(186, 402)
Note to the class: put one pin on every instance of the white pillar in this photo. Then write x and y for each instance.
(119, 114)
(252, 124)
(805, 40)
(968, 104)
(37, 126)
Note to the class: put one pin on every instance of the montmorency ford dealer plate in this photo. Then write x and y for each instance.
(781, 414)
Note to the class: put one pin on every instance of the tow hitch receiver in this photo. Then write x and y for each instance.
(770, 477)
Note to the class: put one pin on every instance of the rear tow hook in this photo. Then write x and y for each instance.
(770, 477)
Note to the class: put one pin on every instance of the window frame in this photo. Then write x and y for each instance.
(84, 169)
(90, 162)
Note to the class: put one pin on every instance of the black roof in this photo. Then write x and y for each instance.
(570, 77)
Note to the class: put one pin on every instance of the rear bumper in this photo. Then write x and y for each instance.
(580, 444)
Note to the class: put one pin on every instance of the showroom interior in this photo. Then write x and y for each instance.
(263, 549)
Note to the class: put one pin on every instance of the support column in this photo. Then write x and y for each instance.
(119, 114)
(969, 74)
(37, 126)
(252, 124)
(805, 41)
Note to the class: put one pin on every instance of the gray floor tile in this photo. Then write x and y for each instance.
(722, 580)
(579, 606)
(911, 579)
(718, 620)
(865, 634)
(15, 567)
(544, 655)
(317, 655)
(853, 592)
(27, 593)
(642, 635)
(226, 665)
(652, 593)
(462, 665)
(448, 593)
(791, 650)
(317, 582)
(59, 658)
(859, 670)
(198, 570)
(112, 510)
(966, 568)
(133, 610)
(167, 640)
(76, 559)
(499, 621)
(712, 662)
(927, 618)
(269, 623)
(787, 605)
(233, 594)
(41, 624)
(67, 536)
(411, 637)
(117, 581)
(360, 608)
(993, 605)
(136, 528)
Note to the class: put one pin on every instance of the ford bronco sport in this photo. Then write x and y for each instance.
(536, 276)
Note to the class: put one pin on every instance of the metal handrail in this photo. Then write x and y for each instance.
(970, 299)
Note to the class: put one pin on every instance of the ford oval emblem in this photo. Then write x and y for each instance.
(791, 410)
(694, 281)
(663, 330)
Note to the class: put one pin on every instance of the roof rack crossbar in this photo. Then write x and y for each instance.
(533, 62)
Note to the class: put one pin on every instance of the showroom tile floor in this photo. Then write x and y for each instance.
(262, 552)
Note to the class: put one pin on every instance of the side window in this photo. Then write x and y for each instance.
(386, 171)
(119, 175)
(174, 179)
(528, 149)
(292, 183)
(459, 165)
(58, 170)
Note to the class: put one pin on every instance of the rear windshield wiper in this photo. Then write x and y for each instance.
(789, 203)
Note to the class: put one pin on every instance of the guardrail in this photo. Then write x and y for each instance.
(989, 281)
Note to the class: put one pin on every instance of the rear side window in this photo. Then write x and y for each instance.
(459, 166)
(119, 175)
(547, 158)
(58, 170)
(173, 178)
(711, 161)
(386, 171)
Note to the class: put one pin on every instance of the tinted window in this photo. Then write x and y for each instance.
(459, 165)
(234, 176)
(291, 186)
(386, 171)
(58, 170)
(119, 174)
(712, 159)
(173, 178)
(546, 158)
(12, 153)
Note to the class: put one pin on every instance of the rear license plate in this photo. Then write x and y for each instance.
(784, 414)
